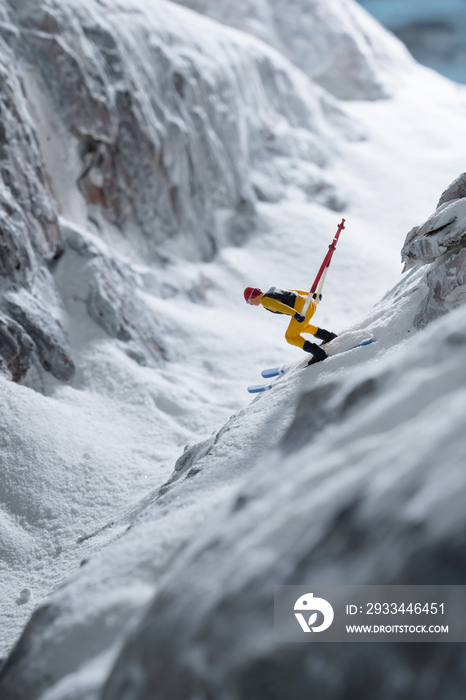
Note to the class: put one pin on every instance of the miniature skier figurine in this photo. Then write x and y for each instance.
(291, 302)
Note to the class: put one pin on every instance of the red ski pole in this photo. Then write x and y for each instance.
(319, 280)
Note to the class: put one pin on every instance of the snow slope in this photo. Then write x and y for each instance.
(366, 486)
(161, 341)
(337, 449)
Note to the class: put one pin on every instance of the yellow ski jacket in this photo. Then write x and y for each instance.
(289, 302)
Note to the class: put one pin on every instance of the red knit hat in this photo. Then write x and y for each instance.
(251, 293)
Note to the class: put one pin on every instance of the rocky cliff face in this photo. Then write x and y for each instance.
(30, 241)
(139, 126)
(337, 44)
(440, 244)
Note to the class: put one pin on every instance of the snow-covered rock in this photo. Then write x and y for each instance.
(17, 348)
(440, 244)
(30, 235)
(335, 42)
(172, 117)
(456, 190)
(156, 130)
(50, 341)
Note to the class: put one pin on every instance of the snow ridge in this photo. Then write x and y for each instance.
(336, 43)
